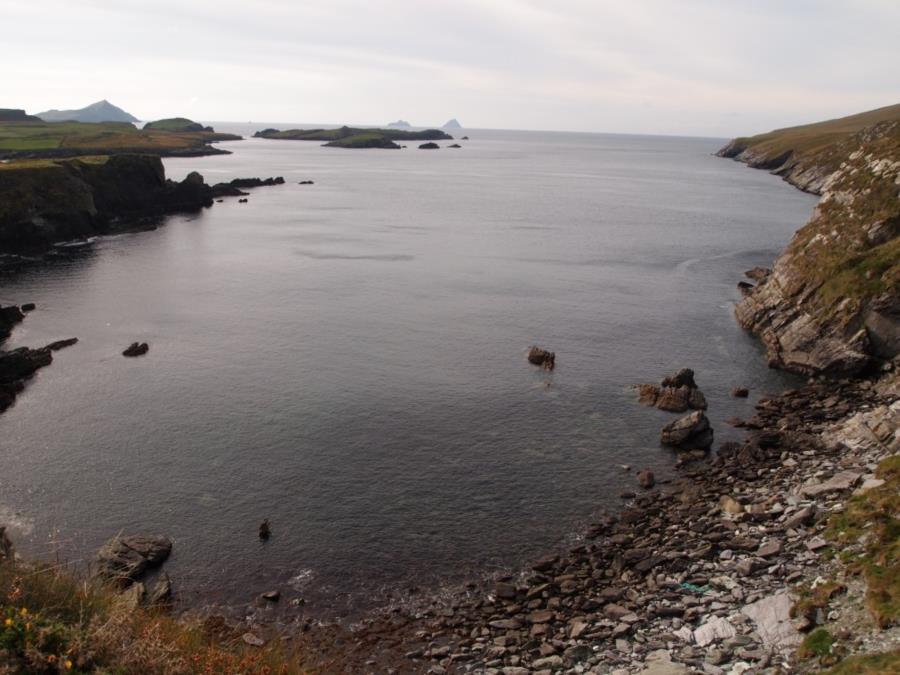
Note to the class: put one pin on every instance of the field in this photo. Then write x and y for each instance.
(49, 139)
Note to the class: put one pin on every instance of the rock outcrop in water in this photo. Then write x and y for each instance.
(542, 357)
(676, 393)
(830, 304)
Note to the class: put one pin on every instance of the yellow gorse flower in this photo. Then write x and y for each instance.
(8, 622)
(68, 665)
(23, 612)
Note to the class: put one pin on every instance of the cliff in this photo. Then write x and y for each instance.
(830, 303)
(42, 202)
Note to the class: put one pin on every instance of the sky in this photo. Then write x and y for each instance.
(688, 67)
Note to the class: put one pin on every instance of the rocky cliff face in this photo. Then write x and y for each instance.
(46, 202)
(830, 304)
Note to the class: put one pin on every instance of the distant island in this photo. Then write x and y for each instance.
(350, 137)
(452, 124)
(177, 124)
(399, 124)
(101, 111)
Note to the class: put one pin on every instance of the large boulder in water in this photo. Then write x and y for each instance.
(542, 357)
(124, 560)
(691, 432)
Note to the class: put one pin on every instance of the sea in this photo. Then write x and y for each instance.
(347, 360)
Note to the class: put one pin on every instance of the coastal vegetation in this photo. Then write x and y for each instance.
(54, 621)
(37, 139)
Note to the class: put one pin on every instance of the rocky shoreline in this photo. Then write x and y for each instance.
(45, 203)
(697, 576)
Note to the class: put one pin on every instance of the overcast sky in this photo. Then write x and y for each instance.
(698, 67)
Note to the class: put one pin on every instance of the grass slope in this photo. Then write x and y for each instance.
(73, 138)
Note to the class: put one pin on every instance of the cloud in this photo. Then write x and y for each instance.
(692, 67)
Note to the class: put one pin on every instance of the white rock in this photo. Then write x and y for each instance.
(716, 628)
(773, 622)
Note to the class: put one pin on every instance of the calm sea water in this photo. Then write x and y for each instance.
(347, 359)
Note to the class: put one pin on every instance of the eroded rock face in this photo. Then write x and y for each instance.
(830, 304)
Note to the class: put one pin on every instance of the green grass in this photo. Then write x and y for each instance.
(875, 514)
(816, 645)
(107, 137)
(870, 664)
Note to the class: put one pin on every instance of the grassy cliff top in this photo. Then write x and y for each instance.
(801, 147)
(176, 124)
(72, 138)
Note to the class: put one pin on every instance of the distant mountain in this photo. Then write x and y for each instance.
(452, 124)
(101, 111)
(399, 124)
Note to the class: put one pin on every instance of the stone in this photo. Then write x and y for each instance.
(505, 590)
(28, 307)
(265, 530)
(646, 479)
(161, 593)
(768, 549)
(542, 357)
(816, 543)
(713, 630)
(125, 559)
(253, 640)
(740, 392)
(136, 349)
(838, 483)
(271, 596)
(61, 344)
(689, 432)
(772, 617)
(730, 505)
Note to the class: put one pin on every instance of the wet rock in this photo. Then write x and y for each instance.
(136, 349)
(265, 530)
(271, 596)
(28, 307)
(740, 392)
(542, 357)
(691, 432)
(745, 288)
(676, 393)
(306, 182)
(646, 479)
(61, 344)
(429, 146)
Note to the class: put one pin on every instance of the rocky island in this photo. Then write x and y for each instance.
(350, 137)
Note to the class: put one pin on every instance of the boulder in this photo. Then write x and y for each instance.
(429, 146)
(136, 349)
(124, 560)
(264, 530)
(542, 357)
(646, 479)
(740, 392)
(691, 432)
(676, 393)
(28, 307)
